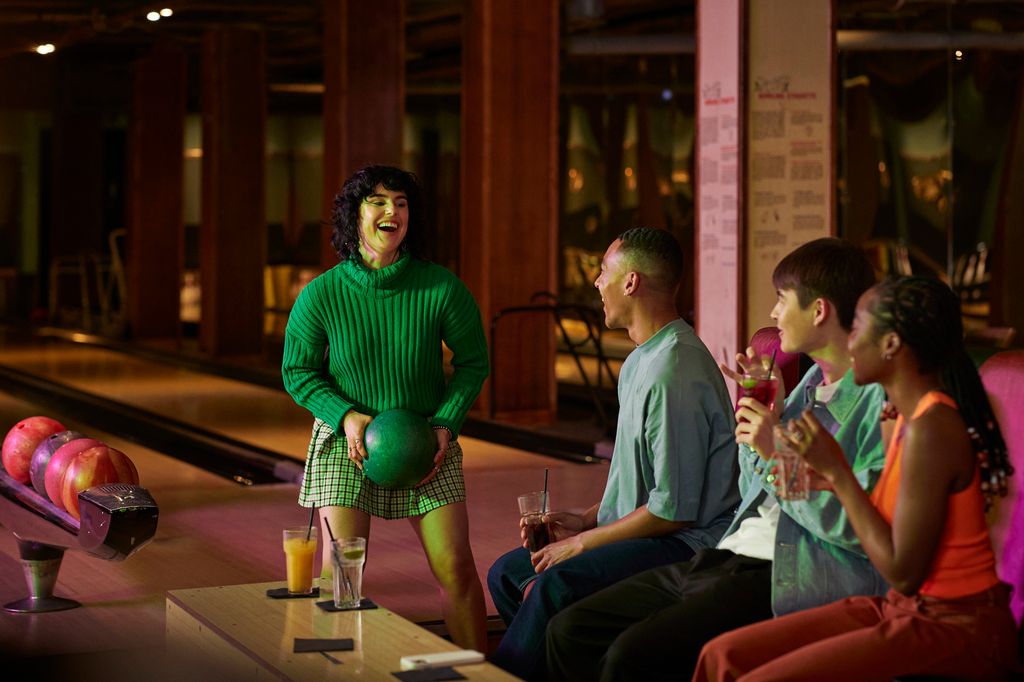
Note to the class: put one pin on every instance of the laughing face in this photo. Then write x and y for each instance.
(383, 222)
(612, 283)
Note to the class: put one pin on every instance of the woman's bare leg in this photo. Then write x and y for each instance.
(444, 534)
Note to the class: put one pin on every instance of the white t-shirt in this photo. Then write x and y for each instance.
(756, 535)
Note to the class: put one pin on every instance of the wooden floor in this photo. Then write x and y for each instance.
(215, 532)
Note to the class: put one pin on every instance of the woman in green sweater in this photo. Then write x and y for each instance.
(383, 313)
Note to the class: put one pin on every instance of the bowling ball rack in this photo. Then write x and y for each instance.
(117, 520)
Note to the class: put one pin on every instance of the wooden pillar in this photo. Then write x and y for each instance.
(765, 138)
(508, 243)
(232, 236)
(364, 93)
(155, 240)
(76, 200)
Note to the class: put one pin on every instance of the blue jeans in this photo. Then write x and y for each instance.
(521, 651)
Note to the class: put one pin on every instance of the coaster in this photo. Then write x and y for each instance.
(282, 593)
(318, 645)
(429, 674)
(364, 604)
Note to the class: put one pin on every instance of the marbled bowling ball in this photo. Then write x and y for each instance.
(53, 479)
(400, 448)
(41, 458)
(21, 441)
(95, 466)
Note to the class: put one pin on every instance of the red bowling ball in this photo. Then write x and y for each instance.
(21, 443)
(95, 466)
(59, 464)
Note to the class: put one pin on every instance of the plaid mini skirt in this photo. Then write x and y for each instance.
(332, 480)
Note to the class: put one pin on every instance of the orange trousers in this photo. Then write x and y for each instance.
(873, 638)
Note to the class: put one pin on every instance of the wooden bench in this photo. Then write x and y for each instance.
(237, 632)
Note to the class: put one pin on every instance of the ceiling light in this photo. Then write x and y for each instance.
(153, 16)
(46, 48)
(166, 12)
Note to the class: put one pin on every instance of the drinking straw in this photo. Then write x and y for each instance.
(329, 533)
(309, 531)
(544, 509)
(772, 365)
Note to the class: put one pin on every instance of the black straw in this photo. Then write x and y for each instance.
(545, 507)
(309, 531)
(772, 366)
(329, 533)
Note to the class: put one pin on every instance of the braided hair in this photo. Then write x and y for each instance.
(925, 313)
(363, 183)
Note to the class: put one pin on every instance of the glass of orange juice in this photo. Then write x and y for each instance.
(299, 550)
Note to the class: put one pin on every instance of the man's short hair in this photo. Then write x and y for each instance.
(655, 253)
(833, 269)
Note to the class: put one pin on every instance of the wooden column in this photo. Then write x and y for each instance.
(508, 243)
(232, 237)
(76, 200)
(364, 93)
(155, 243)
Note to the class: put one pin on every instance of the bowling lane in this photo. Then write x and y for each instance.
(261, 416)
(252, 414)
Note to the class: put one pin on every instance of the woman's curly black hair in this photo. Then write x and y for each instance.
(925, 313)
(345, 216)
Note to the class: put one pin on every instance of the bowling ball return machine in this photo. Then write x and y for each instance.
(117, 519)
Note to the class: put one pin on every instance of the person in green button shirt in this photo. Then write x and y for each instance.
(366, 336)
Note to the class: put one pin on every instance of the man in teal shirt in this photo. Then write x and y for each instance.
(777, 555)
(671, 487)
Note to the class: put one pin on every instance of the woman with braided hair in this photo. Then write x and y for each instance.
(923, 525)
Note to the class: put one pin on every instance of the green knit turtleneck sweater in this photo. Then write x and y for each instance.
(384, 329)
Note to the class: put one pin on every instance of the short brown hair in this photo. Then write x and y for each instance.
(833, 269)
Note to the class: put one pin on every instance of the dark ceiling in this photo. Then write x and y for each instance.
(119, 28)
(115, 31)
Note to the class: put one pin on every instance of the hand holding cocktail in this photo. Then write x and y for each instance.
(816, 447)
(533, 527)
(758, 408)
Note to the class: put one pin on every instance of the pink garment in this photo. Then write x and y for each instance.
(1003, 376)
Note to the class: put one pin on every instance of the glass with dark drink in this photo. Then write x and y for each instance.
(538, 535)
(532, 507)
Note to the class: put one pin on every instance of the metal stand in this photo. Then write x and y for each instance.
(41, 564)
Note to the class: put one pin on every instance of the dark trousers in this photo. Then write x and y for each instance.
(652, 626)
(521, 651)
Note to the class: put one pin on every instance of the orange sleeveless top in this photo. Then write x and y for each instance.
(964, 563)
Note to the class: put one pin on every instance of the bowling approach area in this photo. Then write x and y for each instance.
(218, 529)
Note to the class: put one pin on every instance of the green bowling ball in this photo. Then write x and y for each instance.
(400, 448)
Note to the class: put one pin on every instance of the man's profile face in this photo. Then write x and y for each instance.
(794, 322)
(611, 284)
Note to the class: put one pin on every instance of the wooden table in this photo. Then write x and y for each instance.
(237, 632)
